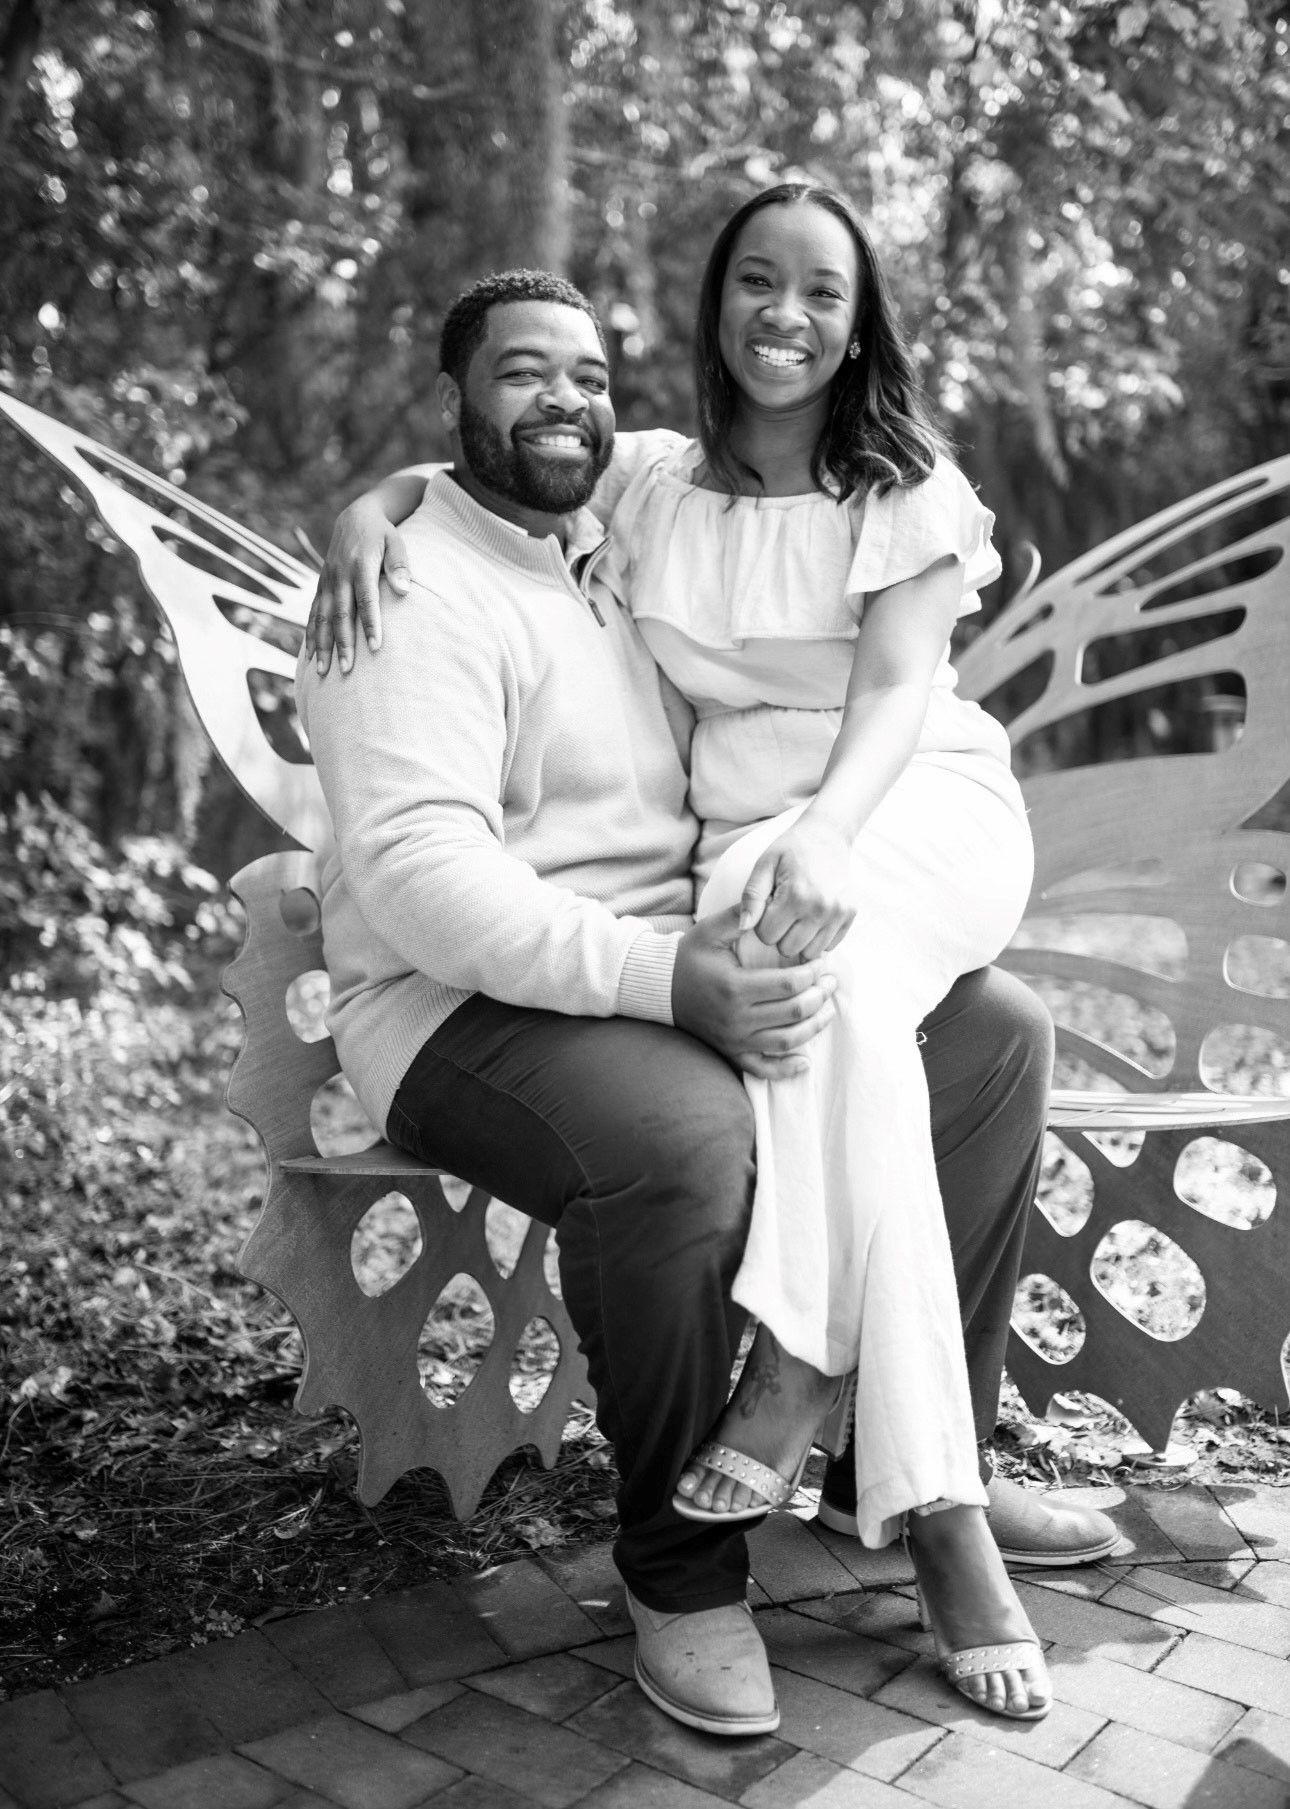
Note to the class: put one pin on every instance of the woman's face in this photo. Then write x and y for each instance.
(788, 304)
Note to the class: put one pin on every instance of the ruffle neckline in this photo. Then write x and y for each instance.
(784, 568)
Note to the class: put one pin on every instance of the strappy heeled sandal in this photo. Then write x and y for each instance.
(776, 1491)
(1023, 1655)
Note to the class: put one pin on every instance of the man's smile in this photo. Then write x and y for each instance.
(561, 442)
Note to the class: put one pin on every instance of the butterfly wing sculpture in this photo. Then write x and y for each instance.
(237, 606)
(235, 603)
(1159, 908)
(1147, 692)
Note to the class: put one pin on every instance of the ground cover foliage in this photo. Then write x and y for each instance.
(161, 1493)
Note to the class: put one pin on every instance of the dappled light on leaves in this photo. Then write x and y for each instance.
(1225, 1182)
(339, 1124)
(1147, 1277)
(534, 1364)
(1065, 1188)
(385, 1244)
(454, 1340)
(306, 1004)
(1047, 1318)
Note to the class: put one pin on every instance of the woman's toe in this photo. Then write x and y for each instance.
(705, 1494)
(976, 1690)
(1018, 1696)
(723, 1495)
(688, 1483)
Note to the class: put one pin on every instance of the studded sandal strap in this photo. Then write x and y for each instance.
(1023, 1655)
(767, 1483)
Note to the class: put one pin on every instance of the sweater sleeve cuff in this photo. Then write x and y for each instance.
(645, 984)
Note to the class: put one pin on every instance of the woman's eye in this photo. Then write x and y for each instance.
(753, 281)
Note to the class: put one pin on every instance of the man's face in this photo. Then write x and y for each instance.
(533, 416)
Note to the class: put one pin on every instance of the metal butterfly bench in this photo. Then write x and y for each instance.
(1156, 838)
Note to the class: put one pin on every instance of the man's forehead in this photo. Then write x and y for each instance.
(541, 325)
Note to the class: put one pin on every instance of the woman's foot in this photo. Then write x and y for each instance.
(972, 1605)
(776, 1408)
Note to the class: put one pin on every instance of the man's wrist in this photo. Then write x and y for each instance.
(645, 983)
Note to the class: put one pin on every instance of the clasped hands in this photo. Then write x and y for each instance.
(751, 980)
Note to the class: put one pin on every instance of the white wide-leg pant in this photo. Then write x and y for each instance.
(848, 1260)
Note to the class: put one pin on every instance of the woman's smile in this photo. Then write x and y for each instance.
(779, 357)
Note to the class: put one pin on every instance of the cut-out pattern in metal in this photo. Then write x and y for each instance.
(360, 1349)
(1164, 657)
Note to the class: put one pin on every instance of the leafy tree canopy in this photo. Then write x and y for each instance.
(228, 233)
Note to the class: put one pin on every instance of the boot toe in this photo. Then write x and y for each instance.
(1031, 1528)
(708, 1670)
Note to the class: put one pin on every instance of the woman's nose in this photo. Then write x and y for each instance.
(784, 310)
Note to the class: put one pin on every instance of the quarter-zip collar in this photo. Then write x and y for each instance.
(446, 501)
(503, 540)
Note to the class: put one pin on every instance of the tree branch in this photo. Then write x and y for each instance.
(366, 78)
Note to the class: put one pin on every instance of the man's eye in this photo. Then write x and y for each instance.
(521, 376)
(595, 386)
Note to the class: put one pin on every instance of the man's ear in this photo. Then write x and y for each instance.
(449, 395)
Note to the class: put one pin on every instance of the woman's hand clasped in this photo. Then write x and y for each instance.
(364, 545)
(798, 896)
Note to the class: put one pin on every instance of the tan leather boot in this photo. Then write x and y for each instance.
(708, 1669)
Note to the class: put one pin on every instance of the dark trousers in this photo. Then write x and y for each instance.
(636, 1141)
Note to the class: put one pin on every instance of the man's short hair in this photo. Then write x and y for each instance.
(466, 322)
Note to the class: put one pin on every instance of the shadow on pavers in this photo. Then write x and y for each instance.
(1242, 1776)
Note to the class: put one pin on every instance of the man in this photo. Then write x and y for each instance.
(514, 971)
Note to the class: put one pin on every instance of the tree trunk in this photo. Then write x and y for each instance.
(498, 164)
(18, 46)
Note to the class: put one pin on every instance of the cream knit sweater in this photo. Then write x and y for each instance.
(507, 796)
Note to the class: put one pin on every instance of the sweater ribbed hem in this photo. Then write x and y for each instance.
(645, 984)
(375, 1069)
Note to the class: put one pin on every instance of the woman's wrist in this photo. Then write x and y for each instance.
(826, 817)
(369, 507)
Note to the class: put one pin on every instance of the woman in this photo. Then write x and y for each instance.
(797, 573)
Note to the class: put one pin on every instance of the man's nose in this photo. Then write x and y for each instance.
(562, 396)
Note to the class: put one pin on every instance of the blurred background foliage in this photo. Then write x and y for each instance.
(228, 233)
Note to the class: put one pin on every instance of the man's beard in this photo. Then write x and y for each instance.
(511, 469)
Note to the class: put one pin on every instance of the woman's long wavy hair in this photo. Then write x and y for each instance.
(879, 432)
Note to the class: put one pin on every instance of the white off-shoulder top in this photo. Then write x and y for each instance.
(752, 608)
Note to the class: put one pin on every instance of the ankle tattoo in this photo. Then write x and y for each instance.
(760, 1378)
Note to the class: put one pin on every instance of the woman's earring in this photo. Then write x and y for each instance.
(853, 350)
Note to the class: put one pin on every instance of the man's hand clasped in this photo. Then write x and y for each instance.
(759, 1018)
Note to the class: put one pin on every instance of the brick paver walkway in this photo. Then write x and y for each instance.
(1169, 1664)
